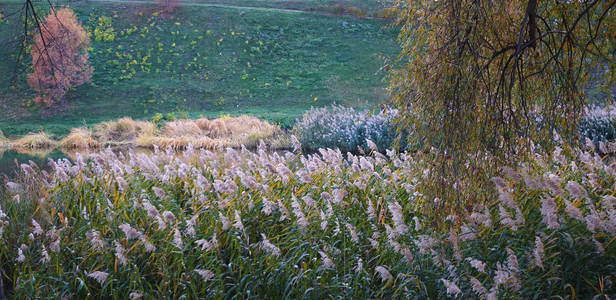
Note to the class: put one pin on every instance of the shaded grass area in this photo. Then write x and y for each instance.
(356, 8)
(301, 5)
(204, 62)
(307, 5)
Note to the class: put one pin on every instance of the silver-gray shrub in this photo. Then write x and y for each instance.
(598, 124)
(346, 128)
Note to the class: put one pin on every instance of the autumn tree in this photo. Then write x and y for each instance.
(478, 81)
(59, 57)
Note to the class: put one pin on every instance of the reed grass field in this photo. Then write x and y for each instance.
(242, 223)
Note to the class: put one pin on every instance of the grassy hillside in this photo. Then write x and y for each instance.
(369, 6)
(306, 5)
(204, 61)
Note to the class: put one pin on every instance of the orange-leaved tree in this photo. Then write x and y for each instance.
(59, 57)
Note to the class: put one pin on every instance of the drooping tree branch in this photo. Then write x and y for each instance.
(496, 77)
(531, 14)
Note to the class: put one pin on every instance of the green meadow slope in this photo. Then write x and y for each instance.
(208, 61)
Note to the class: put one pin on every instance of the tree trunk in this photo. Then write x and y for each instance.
(2, 285)
(62, 102)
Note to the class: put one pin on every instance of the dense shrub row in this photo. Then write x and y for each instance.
(346, 129)
(240, 224)
(599, 125)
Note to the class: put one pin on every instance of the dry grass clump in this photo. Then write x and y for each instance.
(211, 134)
(124, 130)
(181, 142)
(202, 133)
(247, 124)
(213, 128)
(79, 138)
(3, 140)
(248, 131)
(38, 140)
(181, 128)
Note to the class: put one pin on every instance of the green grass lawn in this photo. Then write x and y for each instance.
(204, 61)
